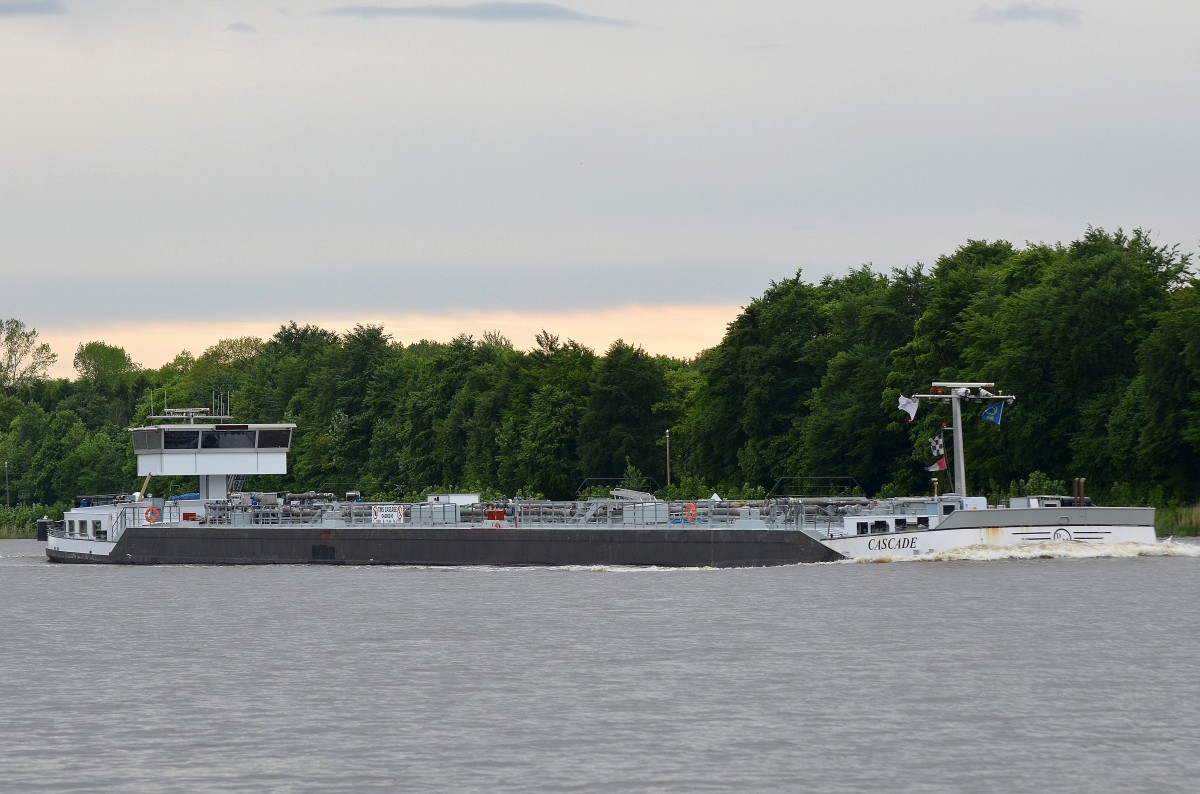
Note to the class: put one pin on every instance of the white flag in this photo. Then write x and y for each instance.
(909, 406)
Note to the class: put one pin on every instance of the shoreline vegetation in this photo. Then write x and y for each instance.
(1177, 521)
(1097, 339)
(20, 522)
(10, 533)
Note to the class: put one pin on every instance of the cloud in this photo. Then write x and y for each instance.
(39, 8)
(484, 12)
(1030, 12)
(241, 27)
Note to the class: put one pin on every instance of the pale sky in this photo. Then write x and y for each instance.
(175, 173)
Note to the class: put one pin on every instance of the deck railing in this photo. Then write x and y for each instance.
(606, 513)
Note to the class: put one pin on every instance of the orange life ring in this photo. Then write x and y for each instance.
(152, 515)
(689, 512)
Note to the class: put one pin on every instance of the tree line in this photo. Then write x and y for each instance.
(1099, 339)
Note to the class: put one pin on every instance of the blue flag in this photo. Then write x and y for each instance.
(992, 412)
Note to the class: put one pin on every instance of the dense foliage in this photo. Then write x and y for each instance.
(1099, 339)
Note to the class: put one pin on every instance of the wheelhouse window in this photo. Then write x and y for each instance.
(147, 440)
(275, 438)
(227, 439)
(181, 439)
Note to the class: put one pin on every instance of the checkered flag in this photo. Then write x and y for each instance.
(937, 446)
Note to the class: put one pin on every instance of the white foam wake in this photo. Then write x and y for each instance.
(1051, 550)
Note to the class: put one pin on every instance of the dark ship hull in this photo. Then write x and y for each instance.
(449, 546)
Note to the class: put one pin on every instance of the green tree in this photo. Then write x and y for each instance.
(620, 427)
(1065, 340)
(1165, 409)
(22, 358)
(847, 430)
(757, 382)
(222, 369)
(333, 409)
(102, 364)
(538, 437)
(108, 381)
(281, 369)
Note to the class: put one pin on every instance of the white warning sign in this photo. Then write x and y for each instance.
(387, 514)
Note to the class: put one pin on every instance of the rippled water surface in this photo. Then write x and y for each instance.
(1057, 672)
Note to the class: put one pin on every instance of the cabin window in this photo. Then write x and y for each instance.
(923, 521)
(180, 439)
(862, 527)
(947, 509)
(275, 438)
(879, 526)
(227, 439)
(71, 526)
(901, 524)
(147, 440)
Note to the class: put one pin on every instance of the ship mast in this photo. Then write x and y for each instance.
(956, 393)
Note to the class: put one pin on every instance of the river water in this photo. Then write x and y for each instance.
(1065, 670)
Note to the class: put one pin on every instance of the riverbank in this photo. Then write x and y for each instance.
(18, 533)
(20, 521)
(1177, 521)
